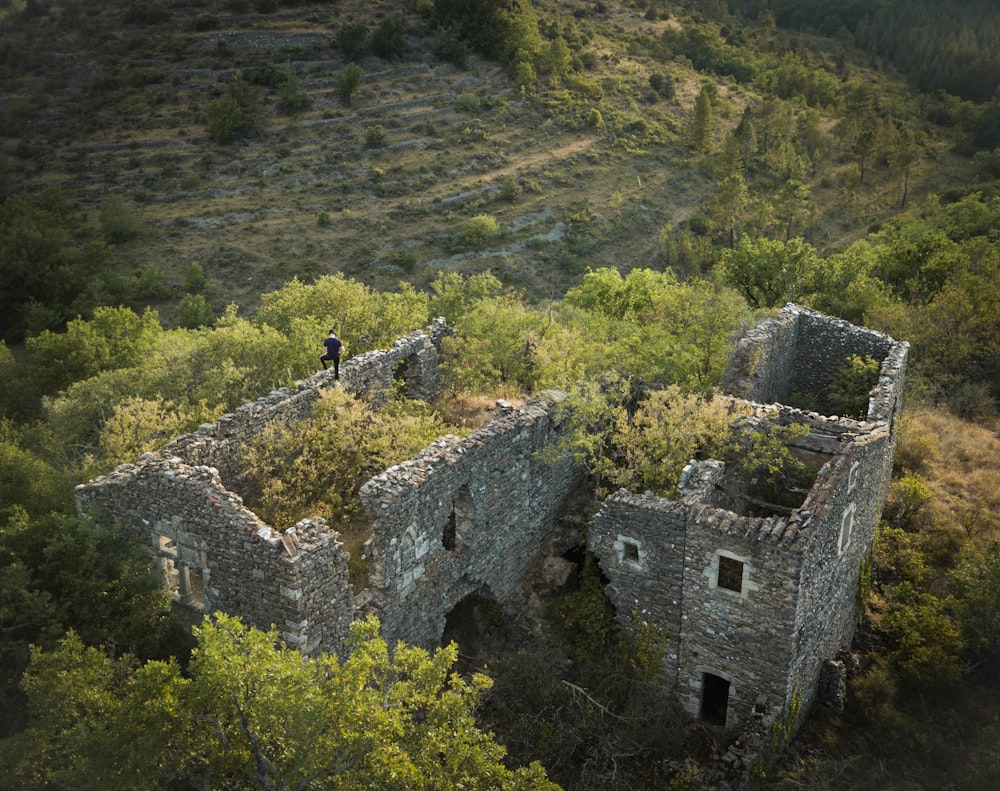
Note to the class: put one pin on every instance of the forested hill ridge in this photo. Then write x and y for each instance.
(193, 193)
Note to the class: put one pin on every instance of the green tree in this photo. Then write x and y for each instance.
(455, 294)
(237, 112)
(766, 272)
(119, 221)
(253, 714)
(316, 466)
(347, 83)
(294, 100)
(742, 145)
(43, 268)
(851, 386)
(975, 582)
(194, 311)
(729, 206)
(388, 40)
(669, 429)
(477, 232)
(700, 132)
(352, 41)
(925, 640)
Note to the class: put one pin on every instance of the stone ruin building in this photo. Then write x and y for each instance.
(756, 606)
(466, 516)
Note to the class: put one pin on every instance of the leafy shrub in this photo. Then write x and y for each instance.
(293, 99)
(374, 136)
(663, 84)
(347, 83)
(405, 259)
(509, 188)
(352, 39)
(449, 46)
(477, 232)
(194, 278)
(852, 385)
(237, 111)
(119, 221)
(388, 40)
(194, 312)
(267, 75)
(315, 467)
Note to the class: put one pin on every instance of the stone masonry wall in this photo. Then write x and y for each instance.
(215, 554)
(761, 366)
(824, 344)
(796, 353)
(844, 508)
(754, 607)
(466, 516)
(743, 637)
(412, 361)
(639, 544)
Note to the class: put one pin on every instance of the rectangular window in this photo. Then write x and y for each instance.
(730, 574)
(630, 552)
(196, 586)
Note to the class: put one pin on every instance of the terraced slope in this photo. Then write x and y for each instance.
(112, 106)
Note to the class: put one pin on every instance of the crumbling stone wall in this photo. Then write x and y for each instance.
(465, 516)
(412, 362)
(793, 356)
(214, 554)
(754, 606)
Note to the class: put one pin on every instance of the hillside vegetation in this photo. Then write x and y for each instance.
(599, 197)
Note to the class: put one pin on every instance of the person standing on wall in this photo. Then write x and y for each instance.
(334, 347)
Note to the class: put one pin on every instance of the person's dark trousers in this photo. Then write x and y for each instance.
(336, 365)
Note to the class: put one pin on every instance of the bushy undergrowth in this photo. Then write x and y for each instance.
(315, 467)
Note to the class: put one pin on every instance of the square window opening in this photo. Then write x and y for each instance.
(730, 574)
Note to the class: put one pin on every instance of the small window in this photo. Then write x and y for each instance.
(449, 538)
(730, 574)
(630, 552)
(196, 586)
(846, 526)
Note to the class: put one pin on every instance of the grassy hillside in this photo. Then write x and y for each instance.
(587, 166)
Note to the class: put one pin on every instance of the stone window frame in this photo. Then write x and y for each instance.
(846, 529)
(711, 571)
(630, 552)
(852, 477)
(186, 582)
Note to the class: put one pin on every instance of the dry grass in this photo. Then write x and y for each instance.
(469, 411)
(960, 463)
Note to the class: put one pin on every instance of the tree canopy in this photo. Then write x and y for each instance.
(251, 713)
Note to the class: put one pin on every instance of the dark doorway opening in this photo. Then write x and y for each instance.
(714, 699)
